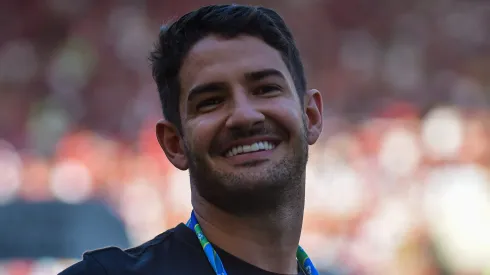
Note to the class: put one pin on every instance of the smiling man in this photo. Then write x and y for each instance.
(239, 117)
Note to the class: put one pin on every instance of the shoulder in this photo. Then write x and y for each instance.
(88, 265)
(114, 260)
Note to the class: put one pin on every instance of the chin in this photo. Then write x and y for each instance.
(250, 171)
(252, 188)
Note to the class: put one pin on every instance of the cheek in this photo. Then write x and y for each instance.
(202, 133)
(288, 115)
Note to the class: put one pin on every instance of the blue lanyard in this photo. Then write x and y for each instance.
(216, 263)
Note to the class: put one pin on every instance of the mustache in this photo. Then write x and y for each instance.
(237, 133)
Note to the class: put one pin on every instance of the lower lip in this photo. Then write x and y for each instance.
(251, 157)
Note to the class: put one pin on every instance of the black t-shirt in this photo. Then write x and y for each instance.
(176, 251)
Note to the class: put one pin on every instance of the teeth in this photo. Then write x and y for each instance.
(246, 148)
(261, 145)
(257, 146)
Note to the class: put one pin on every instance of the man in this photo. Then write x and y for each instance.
(239, 117)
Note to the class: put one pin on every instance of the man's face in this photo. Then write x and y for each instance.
(243, 123)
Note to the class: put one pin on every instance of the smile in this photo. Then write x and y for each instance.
(254, 147)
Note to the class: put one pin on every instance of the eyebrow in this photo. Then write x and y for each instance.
(204, 89)
(216, 86)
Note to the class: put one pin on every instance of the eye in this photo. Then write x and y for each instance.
(268, 90)
(208, 104)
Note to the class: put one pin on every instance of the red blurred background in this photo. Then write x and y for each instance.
(399, 184)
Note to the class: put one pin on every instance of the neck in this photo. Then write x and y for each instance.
(268, 241)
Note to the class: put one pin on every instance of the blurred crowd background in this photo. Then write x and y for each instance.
(399, 184)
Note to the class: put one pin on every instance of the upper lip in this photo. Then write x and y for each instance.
(249, 141)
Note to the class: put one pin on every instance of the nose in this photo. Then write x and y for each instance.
(244, 114)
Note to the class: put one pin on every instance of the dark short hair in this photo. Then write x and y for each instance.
(175, 41)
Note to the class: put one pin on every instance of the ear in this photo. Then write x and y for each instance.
(172, 144)
(313, 108)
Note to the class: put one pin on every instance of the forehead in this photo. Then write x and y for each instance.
(217, 59)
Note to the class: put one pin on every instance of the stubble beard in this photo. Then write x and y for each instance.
(243, 194)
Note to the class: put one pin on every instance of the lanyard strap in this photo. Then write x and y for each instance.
(215, 260)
